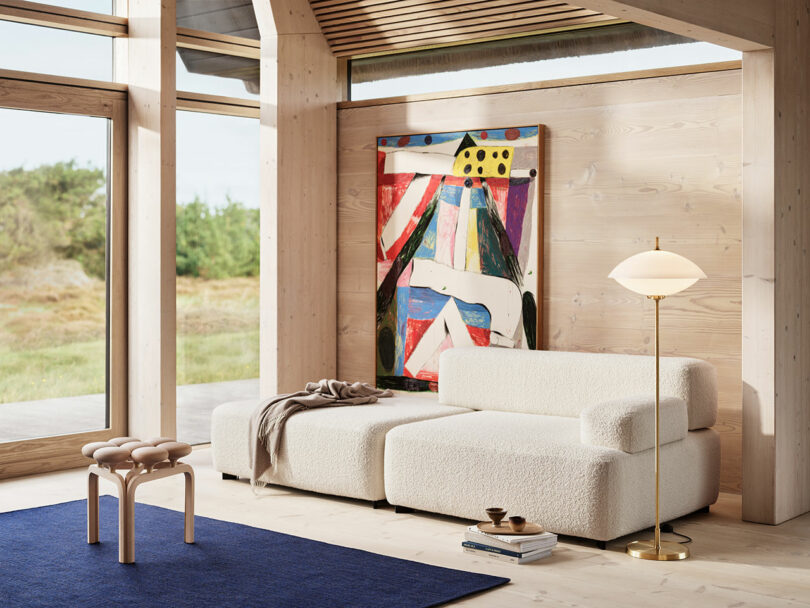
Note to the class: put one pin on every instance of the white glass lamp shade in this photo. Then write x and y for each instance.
(657, 273)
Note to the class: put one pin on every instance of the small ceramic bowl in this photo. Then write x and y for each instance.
(496, 514)
(517, 523)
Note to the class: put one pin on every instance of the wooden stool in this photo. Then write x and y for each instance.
(143, 461)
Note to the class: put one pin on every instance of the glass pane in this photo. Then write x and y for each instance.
(53, 233)
(105, 7)
(215, 74)
(232, 17)
(587, 52)
(46, 50)
(217, 267)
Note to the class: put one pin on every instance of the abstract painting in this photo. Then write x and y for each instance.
(459, 245)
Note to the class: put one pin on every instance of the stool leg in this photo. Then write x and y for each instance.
(189, 521)
(92, 508)
(126, 524)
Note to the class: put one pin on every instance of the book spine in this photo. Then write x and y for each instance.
(471, 545)
(504, 558)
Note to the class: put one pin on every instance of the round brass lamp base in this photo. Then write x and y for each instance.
(645, 549)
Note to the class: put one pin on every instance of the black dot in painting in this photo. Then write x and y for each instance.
(533, 173)
(501, 169)
(386, 348)
(468, 181)
(467, 154)
(494, 155)
(467, 168)
(428, 139)
(506, 153)
(480, 170)
(481, 155)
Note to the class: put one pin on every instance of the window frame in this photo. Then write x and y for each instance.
(222, 44)
(62, 95)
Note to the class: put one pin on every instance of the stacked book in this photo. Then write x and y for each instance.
(514, 549)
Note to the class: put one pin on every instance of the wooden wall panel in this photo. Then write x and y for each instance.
(625, 161)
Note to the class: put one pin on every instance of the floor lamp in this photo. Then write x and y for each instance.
(657, 274)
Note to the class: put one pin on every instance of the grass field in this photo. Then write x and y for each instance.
(52, 331)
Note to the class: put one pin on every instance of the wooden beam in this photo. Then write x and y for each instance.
(745, 25)
(152, 105)
(298, 191)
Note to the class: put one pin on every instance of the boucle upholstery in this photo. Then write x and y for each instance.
(329, 450)
(565, 383)
(629, 424)
(535, 466)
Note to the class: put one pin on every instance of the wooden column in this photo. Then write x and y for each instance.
(151, 77)
(758, 287)
(299, 90)
(791, 84)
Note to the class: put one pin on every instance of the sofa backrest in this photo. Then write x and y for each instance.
(560, 383)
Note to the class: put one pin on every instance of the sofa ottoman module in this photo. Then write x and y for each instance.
(328, 450)
(565, 439)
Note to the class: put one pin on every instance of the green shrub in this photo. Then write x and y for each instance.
(51, 211)
(217, 243)
(59, 211)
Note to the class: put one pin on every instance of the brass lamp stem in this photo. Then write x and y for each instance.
(655, 549)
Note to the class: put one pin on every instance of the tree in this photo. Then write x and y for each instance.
(52, 211)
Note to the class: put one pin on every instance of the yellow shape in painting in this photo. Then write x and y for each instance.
(473, 257)
(484, 161)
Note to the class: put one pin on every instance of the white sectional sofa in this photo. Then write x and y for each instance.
(565, 439)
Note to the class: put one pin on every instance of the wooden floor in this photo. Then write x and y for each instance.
(734, 564)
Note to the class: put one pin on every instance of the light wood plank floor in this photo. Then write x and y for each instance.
(734, 564)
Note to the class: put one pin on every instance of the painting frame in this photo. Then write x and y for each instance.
(538, 245)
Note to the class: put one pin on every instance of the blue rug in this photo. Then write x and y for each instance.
(46, 561)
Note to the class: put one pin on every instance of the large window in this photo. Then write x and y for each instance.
(62, 235)
(585, 52)
(217, 266)
(217, 240)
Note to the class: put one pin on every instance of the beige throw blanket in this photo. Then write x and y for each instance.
(267, 422)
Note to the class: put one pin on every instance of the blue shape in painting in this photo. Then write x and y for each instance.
(427, 248)
(474, 315)
(425, 304)
(403, 294)
(477, 199)
(451, 195)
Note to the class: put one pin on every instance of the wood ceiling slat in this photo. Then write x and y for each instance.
(348, 50)
(355, 27)
(471, 26)
(444, 7)
(514, 11)
(372, 7)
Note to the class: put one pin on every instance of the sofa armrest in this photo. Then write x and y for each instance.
(629, 424)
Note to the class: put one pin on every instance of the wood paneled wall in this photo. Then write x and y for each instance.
(625, 161)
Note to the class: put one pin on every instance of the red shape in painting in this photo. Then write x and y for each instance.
(394, 250)
(479, 335)
(484, 134)
(383, 142)
(391, 188)
(414, 331)
(512, 134)
(404, 141)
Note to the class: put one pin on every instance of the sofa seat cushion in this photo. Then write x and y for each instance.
(629, 424)
(535, 466)
(332, 450)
